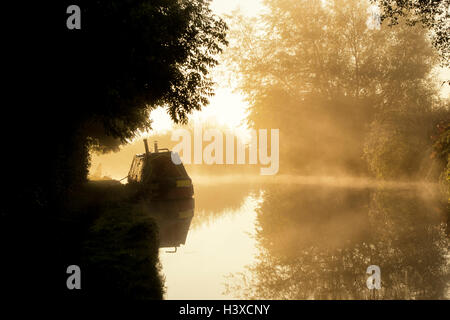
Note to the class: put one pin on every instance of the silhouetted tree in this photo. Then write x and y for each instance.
(143, 54)
(96, 86)
(72, 90)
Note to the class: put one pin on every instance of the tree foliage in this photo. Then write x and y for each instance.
(432, 14)
(96, 86)
(441, 152)
(320, 72)
(143, 54)
(70, 90)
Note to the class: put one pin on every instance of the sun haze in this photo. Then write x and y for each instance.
(227, 107)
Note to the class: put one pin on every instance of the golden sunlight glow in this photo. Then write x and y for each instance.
(444, 75)
(161, 121)
(227, 108)
(247, 7)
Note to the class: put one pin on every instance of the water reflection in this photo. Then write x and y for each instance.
(316, 243)
(214, 200)
(310, 242)
(173, 219)
(225, 244)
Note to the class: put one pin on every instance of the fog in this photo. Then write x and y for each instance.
(363, 162)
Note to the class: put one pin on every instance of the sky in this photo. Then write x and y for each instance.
(248, 7)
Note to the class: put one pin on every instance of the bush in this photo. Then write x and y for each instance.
(120, 255)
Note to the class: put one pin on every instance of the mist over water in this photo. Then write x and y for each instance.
(306, 236)
(311, 241)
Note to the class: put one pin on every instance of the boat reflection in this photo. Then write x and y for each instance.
(174, 219)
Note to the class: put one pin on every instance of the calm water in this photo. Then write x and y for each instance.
(311, 241)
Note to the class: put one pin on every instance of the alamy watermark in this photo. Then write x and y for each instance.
(74, 280)
(374, 281)
(74, 20)
(212, 146)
